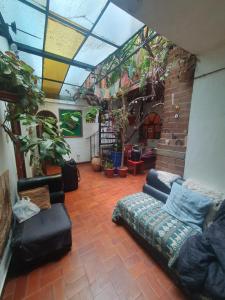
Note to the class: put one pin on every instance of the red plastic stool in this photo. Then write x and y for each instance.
(134, 165)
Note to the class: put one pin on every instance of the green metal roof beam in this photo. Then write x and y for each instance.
(52, 56)
(59, 81)
(150, 38)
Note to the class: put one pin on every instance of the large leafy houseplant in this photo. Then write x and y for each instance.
(17, 77)
(50, 147)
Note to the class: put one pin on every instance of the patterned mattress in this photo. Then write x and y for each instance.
(162, 231)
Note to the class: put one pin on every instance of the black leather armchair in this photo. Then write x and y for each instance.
(47, 234)
(54, 182)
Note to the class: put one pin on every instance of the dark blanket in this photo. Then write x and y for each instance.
(201, 262)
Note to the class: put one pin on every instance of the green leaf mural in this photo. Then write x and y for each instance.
(71, 122)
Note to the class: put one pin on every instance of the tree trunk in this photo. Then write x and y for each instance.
(19, 156)
(122, 146)
(122, 133)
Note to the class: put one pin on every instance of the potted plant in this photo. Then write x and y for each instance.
(91, 114)
(120, 117)
(17, 78)
(51, 146)
(96, 163)
(18, 83)
(109, 169)
(116, 154)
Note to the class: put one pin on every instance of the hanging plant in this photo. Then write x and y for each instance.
(90, 116)
(17, 78)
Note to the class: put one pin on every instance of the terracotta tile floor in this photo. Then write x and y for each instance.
(105, 262)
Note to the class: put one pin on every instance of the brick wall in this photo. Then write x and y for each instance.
(172, 145)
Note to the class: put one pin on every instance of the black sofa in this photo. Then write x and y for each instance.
(46, 235)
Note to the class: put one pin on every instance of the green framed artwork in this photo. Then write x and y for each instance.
(71, 123)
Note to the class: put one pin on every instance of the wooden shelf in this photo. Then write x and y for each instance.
(8, 96)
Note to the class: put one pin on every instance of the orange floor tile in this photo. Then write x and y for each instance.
(105, 262)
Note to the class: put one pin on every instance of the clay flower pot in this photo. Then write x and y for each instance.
(123, 172)
(109, 172)
(96, 163)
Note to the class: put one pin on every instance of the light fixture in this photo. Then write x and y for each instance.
(14, 49)
(175, 107)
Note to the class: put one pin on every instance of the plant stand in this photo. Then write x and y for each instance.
(135, 166)
(8, 96)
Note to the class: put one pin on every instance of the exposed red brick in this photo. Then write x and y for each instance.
(180, 83)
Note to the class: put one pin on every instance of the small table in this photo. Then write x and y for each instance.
(134, 165)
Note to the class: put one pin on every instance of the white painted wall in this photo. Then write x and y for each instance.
(7, 162)
(80, 147)
(186, 23)
(205, 158)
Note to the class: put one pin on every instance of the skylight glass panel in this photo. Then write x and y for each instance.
(39, 3)
(27, 19)
(68, 91)
(33, 60)
(76, 75)
(116, 25)
(61, 39)
(94, 51)
(51, 88)
(54, 69)
(81, 12)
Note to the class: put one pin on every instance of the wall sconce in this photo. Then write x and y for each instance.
(176, 108)
(14, 49)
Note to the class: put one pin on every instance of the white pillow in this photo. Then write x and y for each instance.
(216, 196)
(167, 178)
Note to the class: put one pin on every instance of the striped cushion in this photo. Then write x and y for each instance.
(40, 196)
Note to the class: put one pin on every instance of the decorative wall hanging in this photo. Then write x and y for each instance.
(5, 210)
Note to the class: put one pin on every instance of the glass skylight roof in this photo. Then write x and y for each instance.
(81, 12)
(54, 69)
(68, 91)
(62, 40)
(34, 61)
(76, 75)
(94, 51)
(40, 3)
(27, 19)
(118, 29)
(68, 39)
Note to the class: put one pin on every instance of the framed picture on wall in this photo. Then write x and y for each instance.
(71, 123)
